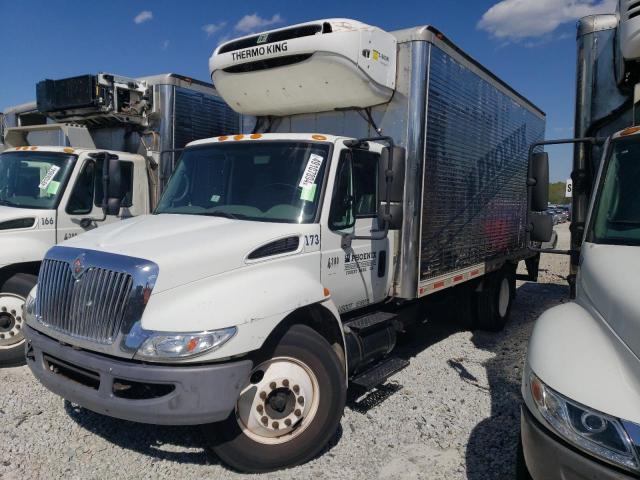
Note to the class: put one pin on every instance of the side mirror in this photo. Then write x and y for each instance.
(539, 181)
(391, 171)
(541, 225)
(111, 182)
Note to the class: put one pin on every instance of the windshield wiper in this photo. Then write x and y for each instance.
(233, 216)
(7, 203)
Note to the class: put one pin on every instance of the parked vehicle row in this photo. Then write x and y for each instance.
(251, 283)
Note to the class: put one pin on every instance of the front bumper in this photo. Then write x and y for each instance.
(157, 394)
(549, 459)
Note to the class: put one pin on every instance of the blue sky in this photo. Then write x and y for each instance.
(528, 43)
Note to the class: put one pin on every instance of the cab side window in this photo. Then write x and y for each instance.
(81, 199)
(365, 183)
(126, 172)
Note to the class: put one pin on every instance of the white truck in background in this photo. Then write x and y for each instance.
(581, 383)
(59, 159)
(379, 171)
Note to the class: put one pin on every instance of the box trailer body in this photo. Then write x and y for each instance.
(581, 379)
(467, 136)
(293, 253)
(51, 173)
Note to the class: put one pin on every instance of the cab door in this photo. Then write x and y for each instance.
(356, 275)
(80, 209)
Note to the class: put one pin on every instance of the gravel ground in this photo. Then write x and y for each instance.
(452, 414)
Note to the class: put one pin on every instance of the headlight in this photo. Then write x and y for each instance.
(30, 305)
(597, 433)
(169, 346)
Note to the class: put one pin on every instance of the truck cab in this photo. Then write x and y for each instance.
(48, 195)
(581, 384)
(87, 139)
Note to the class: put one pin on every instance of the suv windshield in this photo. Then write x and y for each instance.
(33, 179)
(268, 181)
(617, 209)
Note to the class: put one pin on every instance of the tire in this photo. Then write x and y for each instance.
(13, 294)
(254, 447)
(493, 303)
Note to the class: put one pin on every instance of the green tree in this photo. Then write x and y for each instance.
(556, 193)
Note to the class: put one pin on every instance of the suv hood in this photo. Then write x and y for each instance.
(186, 248)
(609, 278)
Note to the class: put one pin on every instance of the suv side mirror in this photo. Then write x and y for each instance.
(391, 171)
(111, 182)
(539, 181)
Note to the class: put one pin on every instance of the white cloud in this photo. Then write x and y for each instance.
(143, 16)
(211, 28)
(513, 20)
(165, 44)
(249, 23)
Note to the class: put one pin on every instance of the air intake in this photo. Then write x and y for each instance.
(277, 247)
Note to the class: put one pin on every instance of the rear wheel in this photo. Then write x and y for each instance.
(290, 409)
(13, 294)
(493, 303)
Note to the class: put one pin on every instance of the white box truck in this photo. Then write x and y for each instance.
(51, 173)
(581, 383)
(380, 169)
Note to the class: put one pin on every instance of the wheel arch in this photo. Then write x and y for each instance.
(323, 318)
(8, 271)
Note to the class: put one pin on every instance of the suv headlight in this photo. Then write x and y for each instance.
(171, 346)
(595, 432)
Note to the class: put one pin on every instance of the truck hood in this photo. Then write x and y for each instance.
(18, 245)
(13, 213)
(186, 248)
(609, 278)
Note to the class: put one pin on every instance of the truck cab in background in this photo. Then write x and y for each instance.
(581, 384)
(88, 141)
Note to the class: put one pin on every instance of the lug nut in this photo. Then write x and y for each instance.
(296, 389)
(259, 408)
(275, 425)
(301, 400)
(263, 395)
(273, 385)
(265, 420)
(297, 412)
(287, 422)
(13, 312)
(4, 309)
(285, 382)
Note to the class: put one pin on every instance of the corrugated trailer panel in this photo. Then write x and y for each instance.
(474, 195)
(201, 116)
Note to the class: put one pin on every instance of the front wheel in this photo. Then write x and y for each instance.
(290, 409)
(13, 294)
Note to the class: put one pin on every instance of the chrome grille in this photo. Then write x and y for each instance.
(90, 306)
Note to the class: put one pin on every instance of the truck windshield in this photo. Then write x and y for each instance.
(269, 181)
(617, 209)
(33, 179)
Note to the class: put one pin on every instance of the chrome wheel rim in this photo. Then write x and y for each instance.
(11, 320)
(280, 402)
